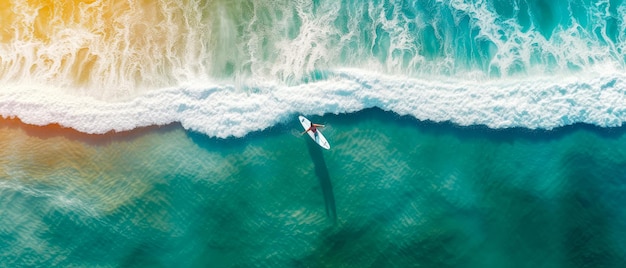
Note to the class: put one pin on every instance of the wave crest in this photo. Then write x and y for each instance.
(225, 111)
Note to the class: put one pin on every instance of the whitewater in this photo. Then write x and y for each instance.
(227, 68)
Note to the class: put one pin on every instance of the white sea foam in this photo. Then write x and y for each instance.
(222, 110)
(127, 64)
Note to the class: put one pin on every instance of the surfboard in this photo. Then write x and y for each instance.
(317, 136)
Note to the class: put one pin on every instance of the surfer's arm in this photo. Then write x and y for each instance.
(315, 125)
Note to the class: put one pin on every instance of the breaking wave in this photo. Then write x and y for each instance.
(226, 68)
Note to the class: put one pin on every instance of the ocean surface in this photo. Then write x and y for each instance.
(463, 133)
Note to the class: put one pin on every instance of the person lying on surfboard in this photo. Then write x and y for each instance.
(312, 128)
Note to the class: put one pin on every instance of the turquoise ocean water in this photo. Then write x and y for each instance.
(463, 133)
(392, 192)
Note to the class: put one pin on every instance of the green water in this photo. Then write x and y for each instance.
(391, 192)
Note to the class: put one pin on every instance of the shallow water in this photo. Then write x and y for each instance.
(228, 68)
(509, 151)
(392, 191)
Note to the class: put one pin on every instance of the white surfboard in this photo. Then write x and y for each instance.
(317, 136)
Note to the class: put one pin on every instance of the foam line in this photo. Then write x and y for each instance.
(223, 111)
(116, 50)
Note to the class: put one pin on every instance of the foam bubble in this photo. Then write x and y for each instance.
(222, 110)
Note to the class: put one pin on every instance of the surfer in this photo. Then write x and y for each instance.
(313, 128)
(314, 133)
